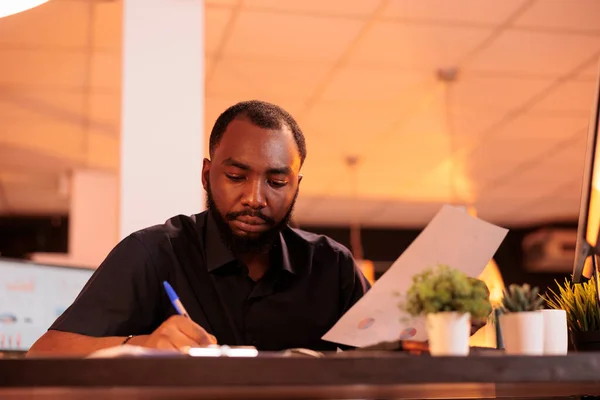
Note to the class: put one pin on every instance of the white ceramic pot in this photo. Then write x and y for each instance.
(556, 333)
(523, 333)
(448, 333)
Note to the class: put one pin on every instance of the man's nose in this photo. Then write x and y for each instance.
(254, 196)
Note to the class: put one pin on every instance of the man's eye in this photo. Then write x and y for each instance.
(235, 178)
(278, 184)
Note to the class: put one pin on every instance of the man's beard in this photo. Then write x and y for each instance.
(240, 245)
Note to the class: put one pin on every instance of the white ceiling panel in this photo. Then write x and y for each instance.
(521, 207)
(393, 181)
(377, 85)
(541, 212)
(579, 15)
(335, 210)
(399, 167)
(590, 73)
(60, 139)
(320, 174)
(107, 25)
(536, 53)
(495, 93)
(418, 125)
(329, 7)
(16, 179)
(220, 3)
(563, 164)
(254, 35)
(105, 113)
(254, 79)
(502, 201)
(42, 68)
(496, 158)
(39, 27)
(29, 160)
(424, 126)
(105, 71)
(571, 159)
(465, 11)
(215, 24)
(229, 79)
(426, 47)
(349, 125)
(22, 105)
(451, 181)
(571, 96)
(403, 213)
(530, 180)
(536, 127)
(208, 64)
(468, 125)
(102, 151)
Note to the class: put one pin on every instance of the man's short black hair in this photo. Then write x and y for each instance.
(262, 114)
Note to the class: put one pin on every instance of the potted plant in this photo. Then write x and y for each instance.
(583, 314)
(521, 323)
(449, 300)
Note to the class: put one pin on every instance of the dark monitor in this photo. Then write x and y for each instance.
(32, 296)
(588, 248)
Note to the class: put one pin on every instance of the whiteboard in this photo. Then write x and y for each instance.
(32, 297)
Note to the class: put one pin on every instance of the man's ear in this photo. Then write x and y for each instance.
(205, 172)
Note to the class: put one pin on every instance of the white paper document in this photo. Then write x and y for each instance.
(454, 238)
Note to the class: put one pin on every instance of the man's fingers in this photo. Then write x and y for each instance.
(193, 331)
(212, 339)
(179, 339)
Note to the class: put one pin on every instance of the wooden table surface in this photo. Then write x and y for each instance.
(346, 375)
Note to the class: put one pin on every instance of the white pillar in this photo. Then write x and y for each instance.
(162, 138)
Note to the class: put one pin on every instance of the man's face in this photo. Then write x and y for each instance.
(252, 183)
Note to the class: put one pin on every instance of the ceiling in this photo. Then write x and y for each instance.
(507, 135)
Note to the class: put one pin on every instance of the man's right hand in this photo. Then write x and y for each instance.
(175, 333)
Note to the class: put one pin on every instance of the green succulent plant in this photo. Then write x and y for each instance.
(443, 289)
(521, 298)
(580, 303)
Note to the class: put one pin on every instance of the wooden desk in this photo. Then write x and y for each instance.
(348, 375)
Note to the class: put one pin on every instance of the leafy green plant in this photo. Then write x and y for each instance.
(580, 303)
(443, 289)
(521, 298)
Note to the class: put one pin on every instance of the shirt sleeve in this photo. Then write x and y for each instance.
(354, 285)
(121, 297)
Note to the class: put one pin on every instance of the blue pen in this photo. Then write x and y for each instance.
(175, 300)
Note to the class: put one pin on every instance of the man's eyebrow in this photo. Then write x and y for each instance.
(237, 164)
(273, 170)
(280, 171)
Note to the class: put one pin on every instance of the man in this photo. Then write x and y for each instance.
(244, 276)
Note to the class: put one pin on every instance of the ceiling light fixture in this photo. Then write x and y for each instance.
(8, 7)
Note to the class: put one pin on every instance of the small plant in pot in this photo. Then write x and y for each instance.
(521, 323)
(583, 314)
(449, 300)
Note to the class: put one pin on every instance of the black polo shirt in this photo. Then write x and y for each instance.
(312, 282)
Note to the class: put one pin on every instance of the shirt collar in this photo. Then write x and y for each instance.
(218, 255)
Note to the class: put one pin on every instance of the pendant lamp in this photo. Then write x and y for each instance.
(10, 7)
